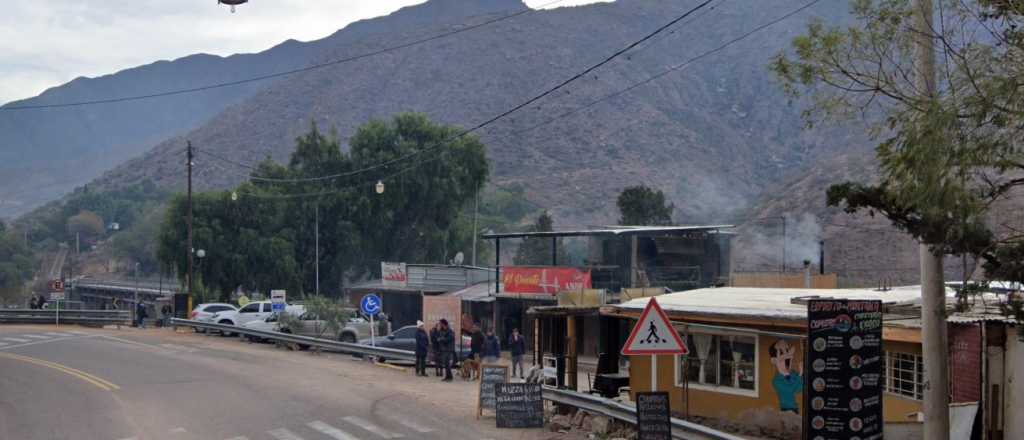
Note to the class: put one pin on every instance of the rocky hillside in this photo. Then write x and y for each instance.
(46, 152)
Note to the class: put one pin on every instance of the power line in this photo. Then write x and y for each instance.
(495, 118)
(280, 74)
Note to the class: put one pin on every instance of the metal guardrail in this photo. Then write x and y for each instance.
(386, 353)
(70, 316)
(681, 429)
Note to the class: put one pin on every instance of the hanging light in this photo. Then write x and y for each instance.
(380, 187)
(234, 196)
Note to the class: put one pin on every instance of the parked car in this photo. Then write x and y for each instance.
(309, 324)
(254, 311)
(205, 312)
(405, 339)
(269, 324)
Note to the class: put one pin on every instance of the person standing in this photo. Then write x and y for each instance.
(435, 349)
(422, 346)
(476, 342)
(446, 348)
(140, 315)
(492, 348)
(517, 347)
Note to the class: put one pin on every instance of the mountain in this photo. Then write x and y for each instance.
(46, 152)
(712, 135)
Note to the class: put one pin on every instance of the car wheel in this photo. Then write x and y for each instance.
(348, 337)
(226, 322)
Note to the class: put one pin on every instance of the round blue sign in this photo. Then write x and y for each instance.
(370, 304)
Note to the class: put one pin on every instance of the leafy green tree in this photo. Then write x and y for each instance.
(536, 251)
(643, 206)
(263, 234)
(17, 264)
(87, 224)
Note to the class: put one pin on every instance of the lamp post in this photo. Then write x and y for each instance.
(200, 254)
(135, 308)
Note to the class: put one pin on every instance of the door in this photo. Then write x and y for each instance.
(251, 312)
(403, 339)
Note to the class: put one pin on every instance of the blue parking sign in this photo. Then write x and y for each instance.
(370, 304)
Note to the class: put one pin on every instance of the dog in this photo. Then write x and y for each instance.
(470, 369)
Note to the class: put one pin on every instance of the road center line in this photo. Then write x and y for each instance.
(331, 431)
(98, 382)
(412, 424)
(35, 336)
(283, 434)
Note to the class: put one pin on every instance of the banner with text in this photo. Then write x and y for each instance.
(549, 280)
(393, 274)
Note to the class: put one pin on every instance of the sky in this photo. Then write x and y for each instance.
(47, 43)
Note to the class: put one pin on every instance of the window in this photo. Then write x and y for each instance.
(268, 307)
(250, 308)
(406, 333)
(904, 374)
(722, 362)
(215, 309)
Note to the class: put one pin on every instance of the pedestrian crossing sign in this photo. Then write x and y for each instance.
(653, 334)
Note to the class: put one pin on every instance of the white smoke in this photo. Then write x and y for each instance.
(761, 244)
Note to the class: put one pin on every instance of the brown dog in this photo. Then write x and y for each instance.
(470, 369)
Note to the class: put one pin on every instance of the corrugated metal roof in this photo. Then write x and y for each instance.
(609, 230)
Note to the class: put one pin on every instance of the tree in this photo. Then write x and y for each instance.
(263, 234)
(949, 146)
(87, 224)
(17, 264)
(643, 206)
(536, 251)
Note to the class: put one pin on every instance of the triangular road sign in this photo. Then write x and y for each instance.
(654, 334)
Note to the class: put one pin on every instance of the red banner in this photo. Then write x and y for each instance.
(550, 280)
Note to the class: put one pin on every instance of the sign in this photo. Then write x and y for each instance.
(277, 300)
(490, 375)
(519, 405)
(549, 280)
(438, 307)
(370, 304)
(57, 296)
(653, 416)
(653, 334)
(843, 380)
(57, 286)
(394, 274)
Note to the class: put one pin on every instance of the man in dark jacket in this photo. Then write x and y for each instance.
(492, 348)
(422, 347)
(435, 349)
(476, 342)
(446, 348)
(140, 315)
(516, 347)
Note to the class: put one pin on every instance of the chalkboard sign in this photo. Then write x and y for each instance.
(843, 380)
(490, 375)
(519, 405)
(652, 416)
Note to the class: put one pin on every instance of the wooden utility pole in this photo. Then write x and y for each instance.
(190, 252)
(933, 290)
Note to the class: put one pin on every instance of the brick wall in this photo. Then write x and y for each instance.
(965, 350)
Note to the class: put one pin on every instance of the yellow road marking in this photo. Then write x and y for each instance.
(98, 382)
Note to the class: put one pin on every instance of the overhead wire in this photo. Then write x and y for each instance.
(282, 73)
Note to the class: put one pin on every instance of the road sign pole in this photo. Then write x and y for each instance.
(58, 313)
(373, 331)
(654, 373)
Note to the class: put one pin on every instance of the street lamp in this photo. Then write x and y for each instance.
(380, 187)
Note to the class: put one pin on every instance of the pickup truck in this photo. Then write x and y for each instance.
(309, 324)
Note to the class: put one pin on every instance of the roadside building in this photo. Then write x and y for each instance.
(747, 348)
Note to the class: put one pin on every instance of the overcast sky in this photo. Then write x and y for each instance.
(44, 43)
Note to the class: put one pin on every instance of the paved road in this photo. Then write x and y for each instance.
(74, 383)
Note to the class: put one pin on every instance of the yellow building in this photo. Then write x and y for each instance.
(745, 366)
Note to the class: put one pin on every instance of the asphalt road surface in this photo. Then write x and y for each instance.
(95, 384)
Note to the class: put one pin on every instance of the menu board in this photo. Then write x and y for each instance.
(843, 389)
(653, 416)
(490, 375)
(519, 405)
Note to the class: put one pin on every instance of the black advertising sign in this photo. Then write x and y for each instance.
(652, 416)
(490, 375)
(519, 405)
(843, 389)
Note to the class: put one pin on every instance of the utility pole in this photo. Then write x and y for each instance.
(476, 213)
(190, 274)
(933, 292)
(316, 227)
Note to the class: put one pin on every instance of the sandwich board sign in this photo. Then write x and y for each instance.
(654, 335)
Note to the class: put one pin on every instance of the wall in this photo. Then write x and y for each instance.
(788, 281)
(759, 414)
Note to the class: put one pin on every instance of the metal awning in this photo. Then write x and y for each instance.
(610, 231)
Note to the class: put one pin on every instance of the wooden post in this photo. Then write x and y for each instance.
(570, 351)
(536, 341)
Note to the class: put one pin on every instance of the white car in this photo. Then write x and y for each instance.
(206, 312)
(269, 324)
(254, 311)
